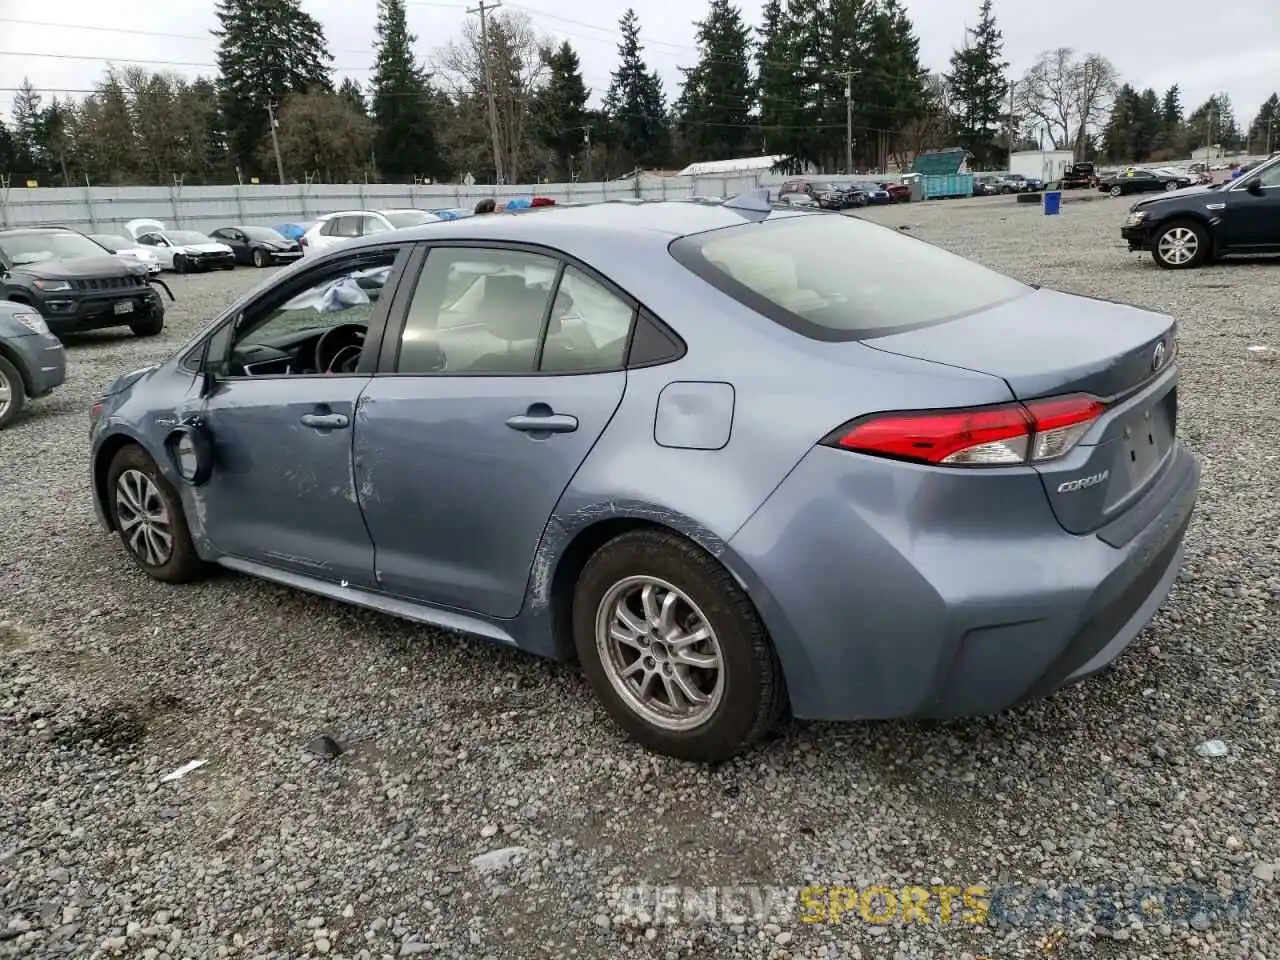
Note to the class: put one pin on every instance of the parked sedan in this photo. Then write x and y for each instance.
(898, 192)
(1142, 181)
(567, 434)
(1196, 226)
(129, 249)
(259, 246)
(181, 250)
(32, 361)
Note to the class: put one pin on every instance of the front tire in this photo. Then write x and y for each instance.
(1180, 245)
(148, 516)
(674, 649)
(1117, 190)
(259, 258)
(13, 393)
(179, 263)
(1171, 185)
(148, 326)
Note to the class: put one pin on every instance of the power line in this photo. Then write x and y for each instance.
(152, 63)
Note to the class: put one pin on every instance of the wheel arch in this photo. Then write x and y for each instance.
(19, 364)
(1197, 217)
(555, 592)
(107, 451)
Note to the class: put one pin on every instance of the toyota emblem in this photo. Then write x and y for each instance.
(1157, 358)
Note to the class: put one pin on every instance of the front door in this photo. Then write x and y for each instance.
(1253, 219)
(495, 396)
(281, 415)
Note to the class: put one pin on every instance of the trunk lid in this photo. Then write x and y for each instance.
(1049, 344)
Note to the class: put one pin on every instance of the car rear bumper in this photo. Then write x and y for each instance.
(886, 602)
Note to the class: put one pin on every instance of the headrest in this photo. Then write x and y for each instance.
(508, 305)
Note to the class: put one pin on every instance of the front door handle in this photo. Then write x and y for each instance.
(547, 423)
(324, 421)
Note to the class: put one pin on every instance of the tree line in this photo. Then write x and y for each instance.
(836, 83)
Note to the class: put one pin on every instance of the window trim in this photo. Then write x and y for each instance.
(389, 355)
(194, 359)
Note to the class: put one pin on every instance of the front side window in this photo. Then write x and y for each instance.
(477, 311)
(839, 278)
(279, 333)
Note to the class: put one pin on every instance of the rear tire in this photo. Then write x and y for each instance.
(637, 653)
(1117, 191)
(13, 393)
(156, 537)
(179, 263)
(259, 258)
(1180, 245)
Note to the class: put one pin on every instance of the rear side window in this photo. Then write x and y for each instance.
(830, 277)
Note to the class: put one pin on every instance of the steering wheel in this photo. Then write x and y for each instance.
(338, 349)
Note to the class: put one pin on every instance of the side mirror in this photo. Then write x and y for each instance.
(1254, 186)
(191, 451)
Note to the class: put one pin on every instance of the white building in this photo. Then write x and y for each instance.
(732, 168)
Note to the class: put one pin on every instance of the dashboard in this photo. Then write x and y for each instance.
(335, 349)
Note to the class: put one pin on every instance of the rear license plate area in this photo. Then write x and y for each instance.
(122, 306)
(1147, 436)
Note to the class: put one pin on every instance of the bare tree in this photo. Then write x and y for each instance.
(517, 66)
(933, 129)
(1066, 97)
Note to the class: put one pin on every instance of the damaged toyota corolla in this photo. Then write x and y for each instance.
(738, 461)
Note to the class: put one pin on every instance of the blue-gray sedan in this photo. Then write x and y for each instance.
(32, 361)
(736, 460)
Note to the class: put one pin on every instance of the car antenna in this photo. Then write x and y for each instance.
(751, 202)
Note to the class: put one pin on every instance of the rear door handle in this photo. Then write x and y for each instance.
(324, 421)
(549, 423)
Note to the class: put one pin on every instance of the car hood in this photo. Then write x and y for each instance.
(1177, 197)
(76, 268)
(202, 248)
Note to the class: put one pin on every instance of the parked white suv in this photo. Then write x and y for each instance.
(349, 224)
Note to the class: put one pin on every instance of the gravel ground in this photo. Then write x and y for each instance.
(453, 749)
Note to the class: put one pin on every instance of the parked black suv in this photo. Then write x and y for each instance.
(1190, 227)
(76, 284)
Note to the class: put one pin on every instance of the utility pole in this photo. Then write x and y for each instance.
(1270, 122)
(586, 137)
(481, 8)
(1009, 133)
(848, 121)
(275, 140)
(1208, 133)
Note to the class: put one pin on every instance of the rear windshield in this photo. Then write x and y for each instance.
(831, 277)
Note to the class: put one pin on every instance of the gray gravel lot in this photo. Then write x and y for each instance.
(455, 749)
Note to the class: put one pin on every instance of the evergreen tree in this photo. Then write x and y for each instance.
(1213, 123)
(350, 91)
(8, 150)
(775, 80)
(979, 89)
(890, 90)
(404, 118)
(635, 102)
(267, 50)
(715, 105)
(26, 115)
(1264, 131)
(1171, 108)
(560, 117)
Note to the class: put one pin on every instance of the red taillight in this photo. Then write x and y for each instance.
(985, 436)
(96, 412)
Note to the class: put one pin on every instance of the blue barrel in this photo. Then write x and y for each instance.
(1052, 203)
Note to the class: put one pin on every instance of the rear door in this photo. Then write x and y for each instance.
(487, 401)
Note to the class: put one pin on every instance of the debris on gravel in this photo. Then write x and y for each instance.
(374, 788)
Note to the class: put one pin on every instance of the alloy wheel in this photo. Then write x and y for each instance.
(6, 394)
(1178, 246)
(143, 518)
(660, 653)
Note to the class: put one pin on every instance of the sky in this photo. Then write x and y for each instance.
(65, 45)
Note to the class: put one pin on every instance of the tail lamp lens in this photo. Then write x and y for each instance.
(1006, 435)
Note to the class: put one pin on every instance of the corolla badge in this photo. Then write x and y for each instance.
(1071, 486)
(1157, 358)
